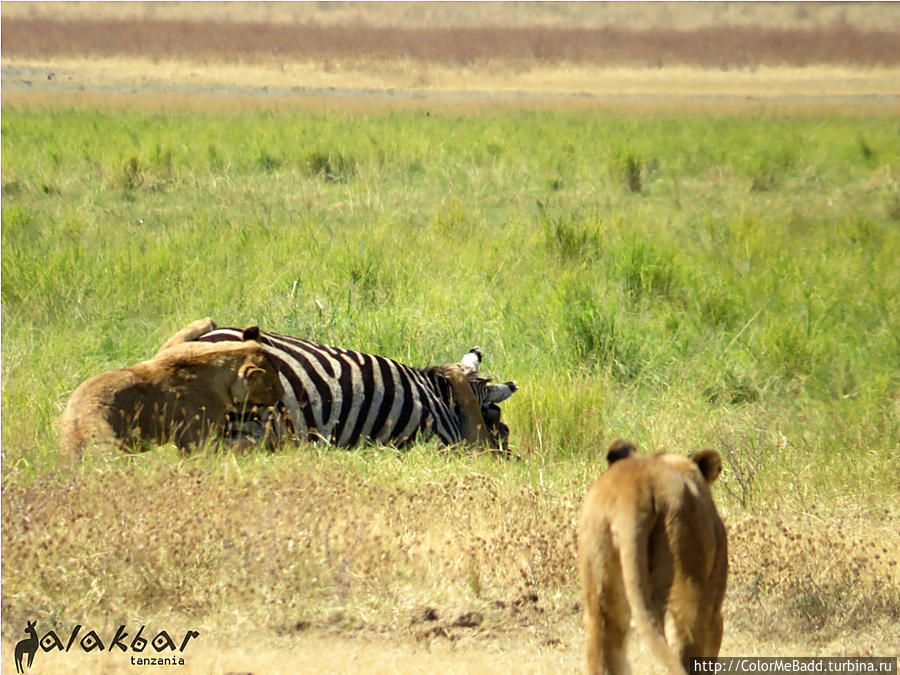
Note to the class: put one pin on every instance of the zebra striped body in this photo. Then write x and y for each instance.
(343, 396)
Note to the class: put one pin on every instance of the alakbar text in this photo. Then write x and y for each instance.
(138, 643)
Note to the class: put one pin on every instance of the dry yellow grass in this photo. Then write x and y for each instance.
(143, 84)
(499, 77)
(320, 560)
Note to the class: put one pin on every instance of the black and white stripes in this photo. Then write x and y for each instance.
(343, 396)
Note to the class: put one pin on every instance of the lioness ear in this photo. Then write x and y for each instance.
(245, 374)
(709, 463)
(619, 449)
(251, 333)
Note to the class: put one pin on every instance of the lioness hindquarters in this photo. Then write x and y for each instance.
(651, 546)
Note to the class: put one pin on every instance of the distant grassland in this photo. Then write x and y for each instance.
(482, 34)
(679, 279)
(682, 280)
(734, 52)
(717, 46)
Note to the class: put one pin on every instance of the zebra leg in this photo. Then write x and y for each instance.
(498, 432)
(188, 334)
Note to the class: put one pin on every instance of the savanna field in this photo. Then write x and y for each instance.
(681, 275)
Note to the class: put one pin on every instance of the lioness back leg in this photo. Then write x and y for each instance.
(685, 626)
(606, 619)
(714, 639)
(694, 607)
(606, 612)
(696, 631)
(694, 637)
(188, 334)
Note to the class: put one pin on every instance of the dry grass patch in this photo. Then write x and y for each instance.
(153, 85)
(825, 577)
(280, 545)
(372, 543)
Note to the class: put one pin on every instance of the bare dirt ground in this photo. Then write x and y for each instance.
(537, 54)
(322, 653)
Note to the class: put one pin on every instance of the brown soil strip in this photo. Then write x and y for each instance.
(709, 47)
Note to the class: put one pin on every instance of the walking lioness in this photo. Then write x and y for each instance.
(651, 546)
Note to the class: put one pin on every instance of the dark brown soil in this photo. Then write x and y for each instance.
(713, 47)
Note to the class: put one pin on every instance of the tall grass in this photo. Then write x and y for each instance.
(753, 268)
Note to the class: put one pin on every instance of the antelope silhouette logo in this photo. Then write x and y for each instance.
(27, 646)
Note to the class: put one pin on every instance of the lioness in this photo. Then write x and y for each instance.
(345, 397)
(182, 394)
(651, 546)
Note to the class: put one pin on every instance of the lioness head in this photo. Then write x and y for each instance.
(256, 380)
(183, 394)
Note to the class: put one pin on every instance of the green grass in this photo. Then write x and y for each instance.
(680, 280)
(683, 280)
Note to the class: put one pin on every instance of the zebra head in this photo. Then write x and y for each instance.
(473, 399)
(471, 361)
(486, 392)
